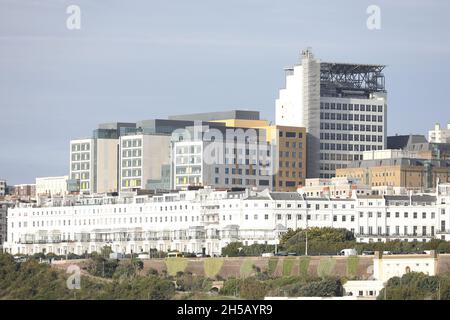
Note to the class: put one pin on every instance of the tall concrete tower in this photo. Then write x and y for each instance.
(341, 105)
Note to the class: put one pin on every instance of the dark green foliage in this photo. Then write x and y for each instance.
(143, 288)
(323, 288)
(232, 250)
(32, 280)
(231, 287)
(187, 282)
(252, 289)
(152, 272)
(326, 234)
(128, 269)
(414, 286)
(102, 267)
(329, 241)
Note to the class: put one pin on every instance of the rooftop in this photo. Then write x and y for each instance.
(220, 115)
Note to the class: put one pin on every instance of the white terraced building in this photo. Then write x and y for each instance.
(206, 220)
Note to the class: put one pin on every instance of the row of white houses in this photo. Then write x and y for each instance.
(206, 220)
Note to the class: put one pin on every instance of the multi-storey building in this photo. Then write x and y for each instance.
(335, 187)
(3, 221)
(418, 144)
(342, 106)
(288, 144)
(207, 220)
(395, 168)
(25, 191)
(2, 188)
(221, 157)
(439, 135)
(51, 186)
(94, 163)
(142, 157)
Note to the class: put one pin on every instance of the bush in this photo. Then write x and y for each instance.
(152, 272)
(323, 288)
(413, 286)
(232, 249)
(252, 289)
(101, 267)
(231, 287)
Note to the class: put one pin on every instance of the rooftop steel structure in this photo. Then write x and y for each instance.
(349, 79)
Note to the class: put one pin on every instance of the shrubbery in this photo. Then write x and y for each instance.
(329, 241)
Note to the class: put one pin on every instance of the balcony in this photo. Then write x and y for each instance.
(394, 235)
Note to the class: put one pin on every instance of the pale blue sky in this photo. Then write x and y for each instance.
(145, 59)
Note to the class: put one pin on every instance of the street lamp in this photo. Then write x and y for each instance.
(306, 230)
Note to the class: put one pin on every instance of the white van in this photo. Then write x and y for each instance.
(267, 254)
(348, 252)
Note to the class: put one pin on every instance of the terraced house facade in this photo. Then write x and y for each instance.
(206, 220)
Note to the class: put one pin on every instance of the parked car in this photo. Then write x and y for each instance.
(144, 256)
(368, 253)
(348, 252)
(267, 254)
(116, 255)
(281, 254)
(292, 254)
(387, 252)
(20, 259)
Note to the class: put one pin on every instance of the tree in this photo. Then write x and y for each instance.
(101, 267)
(106, 251)
(232, 249)
(411, 286)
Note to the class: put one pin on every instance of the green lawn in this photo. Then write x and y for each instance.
(212, 266)
(246, 268)
(175, 265)
(288, 263)
(272, 266)
(352, 266)
(326, 267)
(304, 266)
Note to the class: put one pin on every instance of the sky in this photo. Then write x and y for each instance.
(142, 59)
